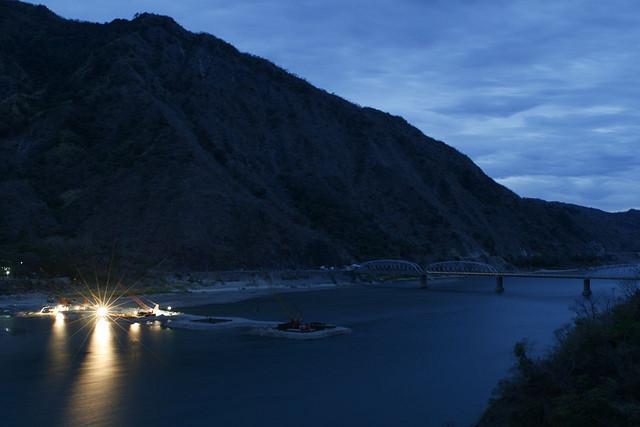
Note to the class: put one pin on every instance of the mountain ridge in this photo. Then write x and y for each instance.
(174, 145)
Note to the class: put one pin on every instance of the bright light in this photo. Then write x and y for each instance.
(102, 333)
(102, 311)
(169, 308)
(59, 317)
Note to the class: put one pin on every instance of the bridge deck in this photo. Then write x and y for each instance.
(532, 275)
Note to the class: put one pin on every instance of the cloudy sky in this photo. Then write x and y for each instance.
(543, 95)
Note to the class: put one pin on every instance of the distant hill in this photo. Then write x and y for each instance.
(175, 146)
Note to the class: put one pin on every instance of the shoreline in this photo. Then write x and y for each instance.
(226, 292)
(179, 299)
(198, 297)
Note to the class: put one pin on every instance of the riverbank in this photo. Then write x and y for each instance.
(590, 378)
(202, 288)
(180, 298)
(231, 294)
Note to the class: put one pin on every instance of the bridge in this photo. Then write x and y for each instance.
(389, 268)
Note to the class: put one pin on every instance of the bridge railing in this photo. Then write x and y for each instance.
(461, 266)
(390, 269)
(500, 276)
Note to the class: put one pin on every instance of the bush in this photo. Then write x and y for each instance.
(592, 378)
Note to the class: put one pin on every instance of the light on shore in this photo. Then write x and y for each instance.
(102, 311)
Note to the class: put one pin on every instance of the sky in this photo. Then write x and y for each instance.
(542, 95)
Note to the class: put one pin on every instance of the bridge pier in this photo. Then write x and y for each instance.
(586, 288)
(499, 284)
(423, 281)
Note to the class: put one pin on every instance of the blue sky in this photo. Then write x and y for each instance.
(543, 95)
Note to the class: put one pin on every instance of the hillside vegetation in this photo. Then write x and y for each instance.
(592, 378)
(176, 147)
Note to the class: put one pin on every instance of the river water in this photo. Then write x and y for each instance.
(415, 358)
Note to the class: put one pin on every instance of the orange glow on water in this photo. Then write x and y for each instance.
(59, 320)
(98, 378)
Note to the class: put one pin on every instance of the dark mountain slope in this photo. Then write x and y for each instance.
(176, 146)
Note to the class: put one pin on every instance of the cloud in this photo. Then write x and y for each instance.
(608, 191)
(542, 95)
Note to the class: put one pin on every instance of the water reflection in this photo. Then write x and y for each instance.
(59, 322)
(155, 325)
(95, 390)
(134, 332)
(57, 351)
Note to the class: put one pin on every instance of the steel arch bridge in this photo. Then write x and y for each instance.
(390, 267)
(398, 269)
(460, 267)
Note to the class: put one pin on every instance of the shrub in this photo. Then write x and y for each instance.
(592, 377)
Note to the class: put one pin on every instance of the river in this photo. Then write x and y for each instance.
(415, 358)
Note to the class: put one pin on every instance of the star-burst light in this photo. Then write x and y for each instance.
(102, 311)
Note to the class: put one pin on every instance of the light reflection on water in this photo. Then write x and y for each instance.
(134, 332)
(94, 392)
(59, 325)
(134, 329)
(58, 357)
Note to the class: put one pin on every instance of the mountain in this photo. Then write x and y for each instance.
(175, 147)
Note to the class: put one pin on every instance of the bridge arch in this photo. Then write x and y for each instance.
(390, 267)
(460, 267)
